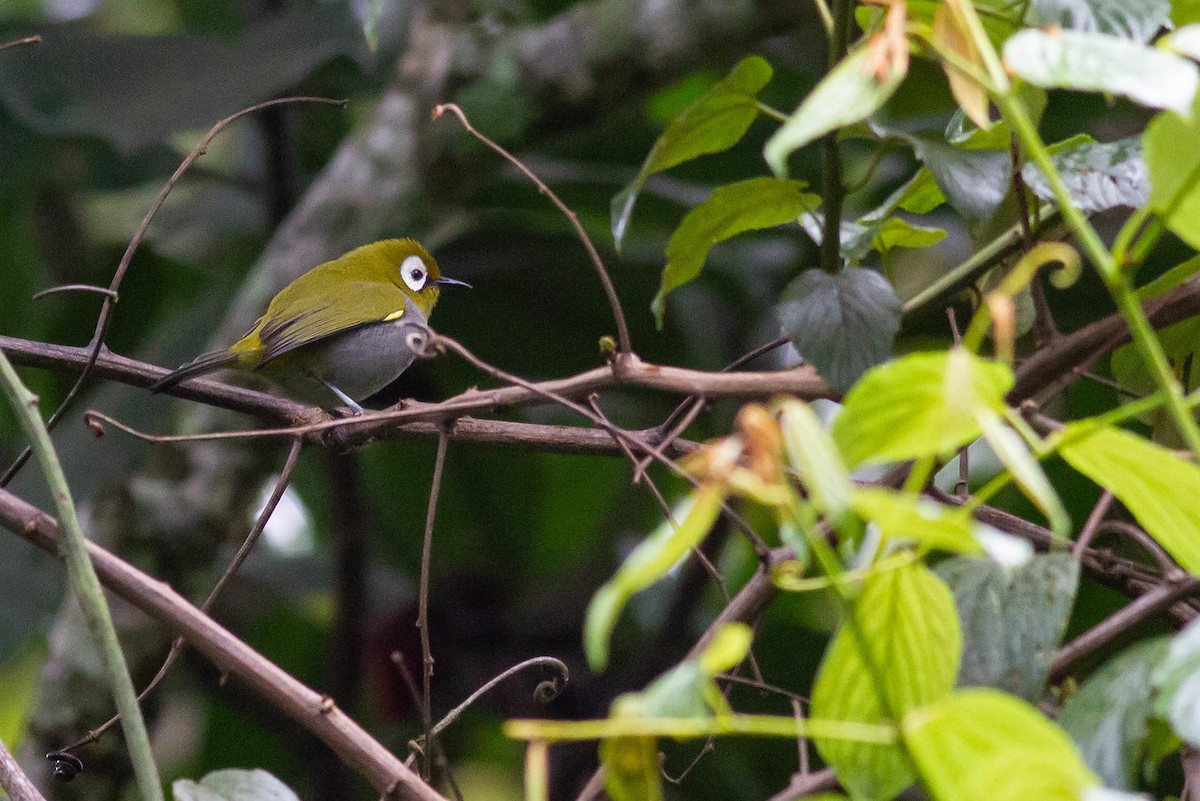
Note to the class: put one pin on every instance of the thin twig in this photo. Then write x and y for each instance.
(96, 346)
(99, 290)
(613, 301)
(1177, 586)
(281, 484)
(35, 39)
(545, 692)
(423, 599)
(1092, 525)
(85, 584)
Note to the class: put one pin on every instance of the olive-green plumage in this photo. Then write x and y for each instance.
(340, 332)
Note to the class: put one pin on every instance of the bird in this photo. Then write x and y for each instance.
(341, 331)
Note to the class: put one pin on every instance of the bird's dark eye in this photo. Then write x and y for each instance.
(414, 273)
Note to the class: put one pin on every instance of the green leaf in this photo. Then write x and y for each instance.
(922, 404)
(1012, 619)
(713, 123)
(974, 182)
(1100, 176)
(813, 455)
(1158, 487)
(727, 649)
(234, 785)
(1139, 20)
(921, 194)
(1096, 62)
(931, 525)
(371, 23)
(1174, 165)
(860, 237)
(905, 618)
(848, 94)
(648, 563)
(1108, 716)
(58, 89)
(728, 211)
(631, 769)
(842, 324)
(896, 232)
(1026, 472)
(1177, 680)
(979, 744)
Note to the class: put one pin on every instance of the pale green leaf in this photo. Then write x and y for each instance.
(851, 92)
(1096, 62)
(648, 563)
(813, 455)
(1177, 680)
(905, 619)
(631, 769)
(1138, 20)
(1108, 717)
(1158, 487)
(922, 404)
(1099, 176)
(984, 744)
(713, 123)
(1012, 619)
(234, 785)
(730, 210)
(727, 649)
(1026, 471)
(1173, 161)
(901, 516)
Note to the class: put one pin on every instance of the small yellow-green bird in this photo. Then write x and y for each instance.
(342, 331)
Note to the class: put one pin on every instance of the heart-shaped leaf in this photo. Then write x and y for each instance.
(842, 324)
(1100, 176)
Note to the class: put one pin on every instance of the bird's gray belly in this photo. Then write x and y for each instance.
(360, 362)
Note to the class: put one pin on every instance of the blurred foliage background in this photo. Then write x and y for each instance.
(94, 120)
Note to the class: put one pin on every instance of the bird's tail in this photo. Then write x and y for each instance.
(204, 363)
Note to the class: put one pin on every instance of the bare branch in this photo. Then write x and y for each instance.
(315, 712)
(13, 779)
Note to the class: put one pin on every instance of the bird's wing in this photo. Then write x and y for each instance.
(356, 304)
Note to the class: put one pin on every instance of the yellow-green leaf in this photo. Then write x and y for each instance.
(900, 650)
(728, 211)
(1158, 487)
(714, 122)
(983, 743)
(923, 404)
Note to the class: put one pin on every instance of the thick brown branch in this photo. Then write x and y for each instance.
(310, 709)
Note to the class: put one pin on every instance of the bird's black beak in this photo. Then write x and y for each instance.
(452, 282)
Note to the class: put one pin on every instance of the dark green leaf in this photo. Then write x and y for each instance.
(713, 123)
(1099, 176)
(196, 80)
(1139, 20)
(850, 93)
(918, 405)
(1107, 718)
(842, 324)
(1155, 484)
(974, 182)
(234, 785)
(905, 617)
(1012, 619)
(1096, 62)
(728, 211)
(979, 744)
(1174, 165)
(1177, 680)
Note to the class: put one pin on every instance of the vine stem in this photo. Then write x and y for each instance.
(85, 583)
(1013, 111)
(1114, 280)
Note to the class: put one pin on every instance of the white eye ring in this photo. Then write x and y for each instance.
(414, 273)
